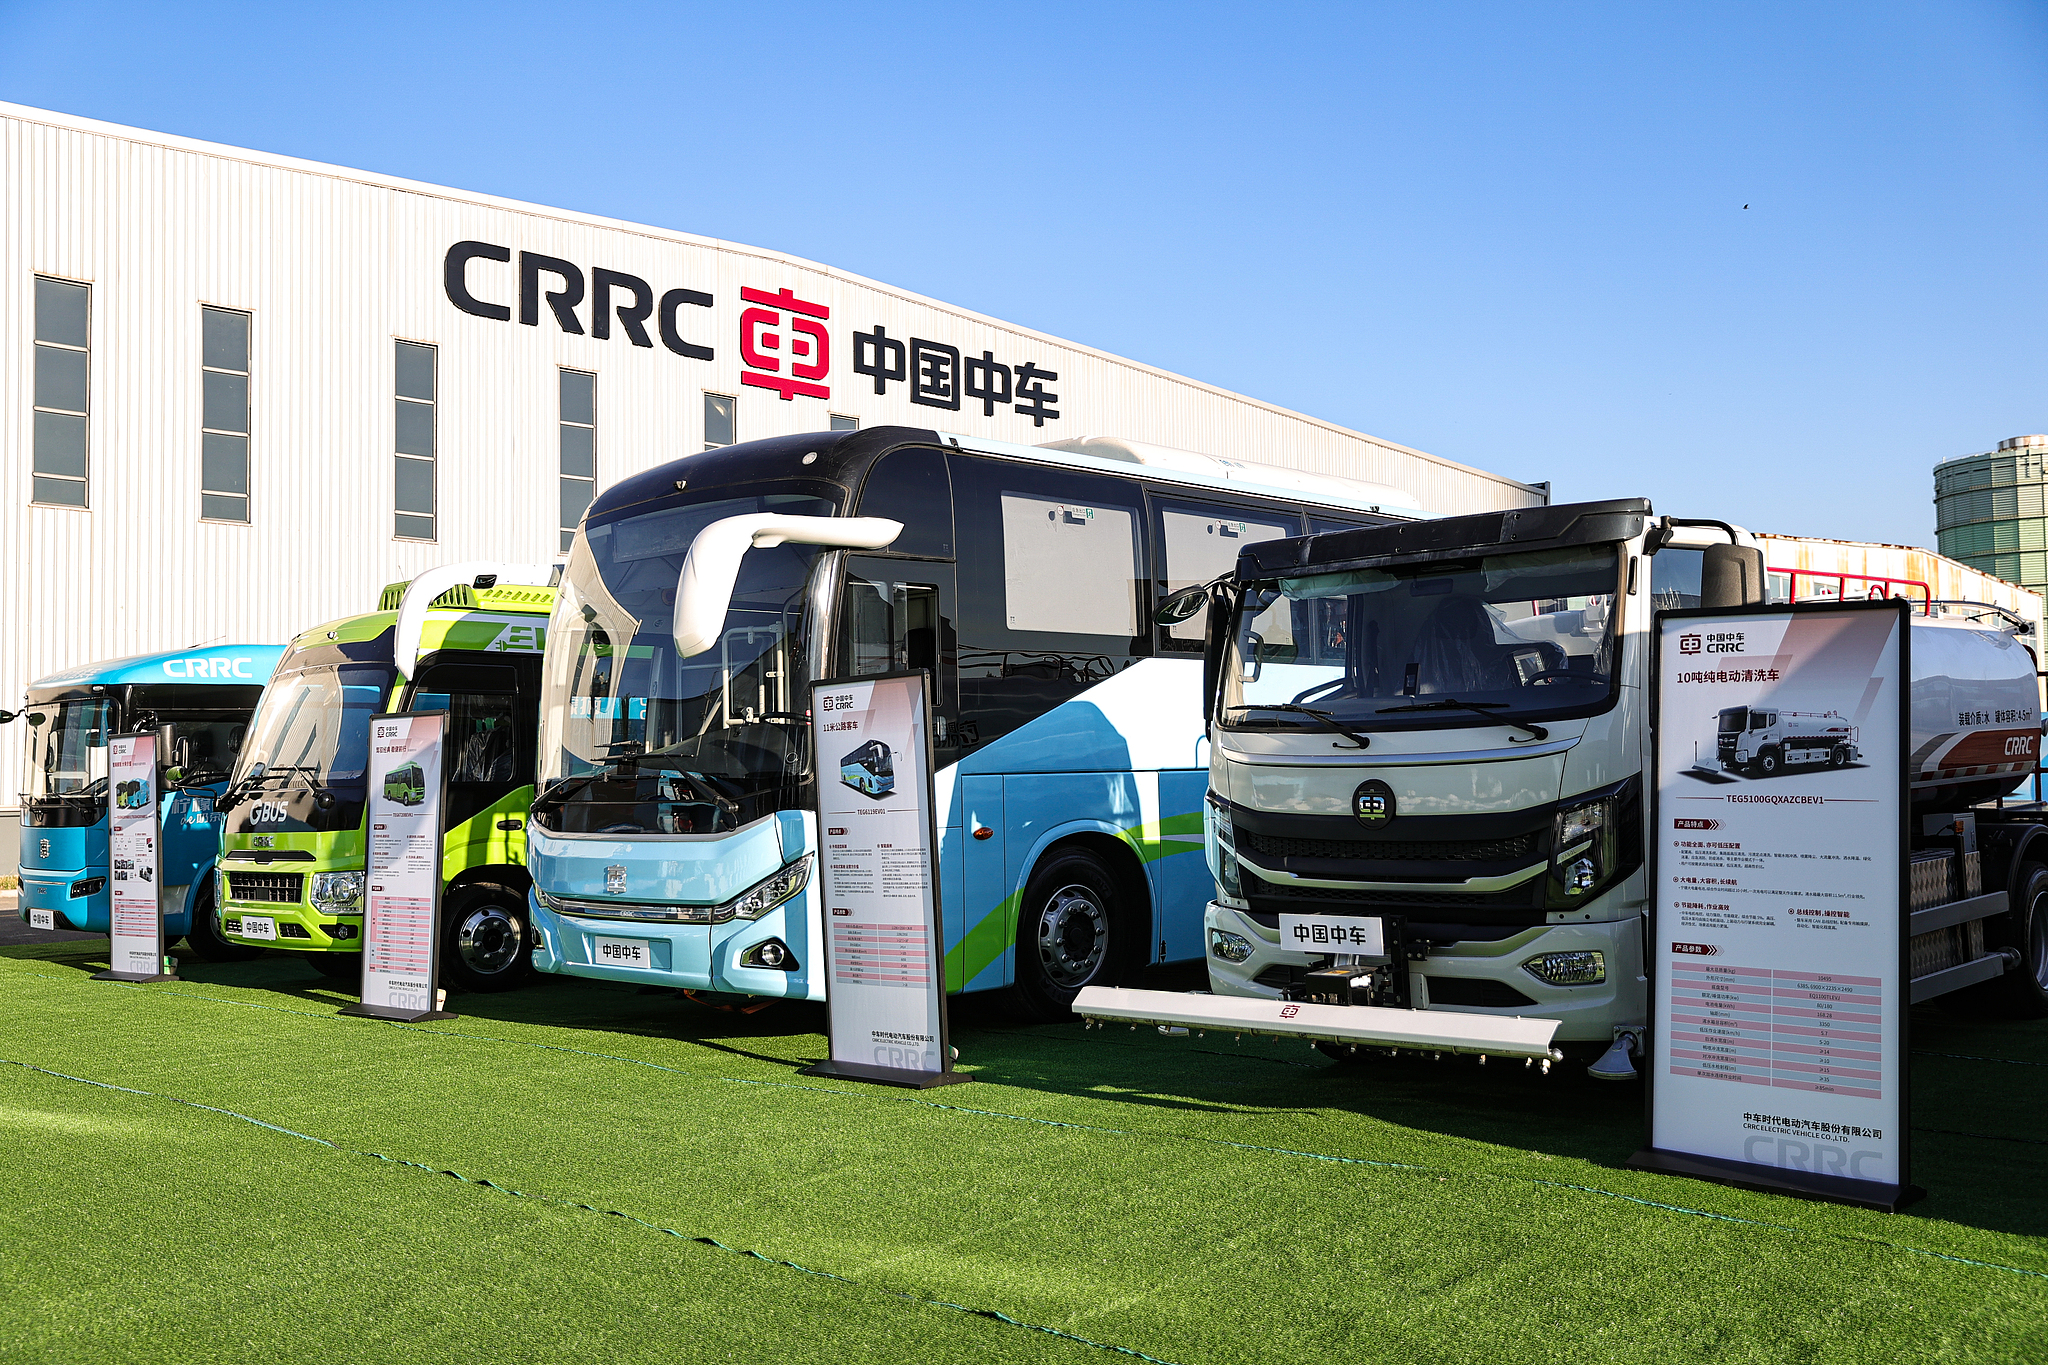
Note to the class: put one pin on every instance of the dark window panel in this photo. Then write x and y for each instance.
(415, 423)
(845, 423)
(579, 397)
(576, 494)
(227, 402)
(721, 427)
(66, 492)
(220, 507)
(579, 456)
(61, 312)
(413, 485)
(60, 445)
(224, 463)
(568, 539)
(910, 486)
(414, 528)
(60, 379)
(224, 339)
(415, 371)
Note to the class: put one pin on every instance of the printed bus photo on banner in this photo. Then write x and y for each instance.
(1779, 981)
(135, 933)
(402, 895)
(885, 998)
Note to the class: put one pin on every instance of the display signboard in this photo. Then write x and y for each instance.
(135, 928)
(885, 990)
(402, 883)
(1778, 966)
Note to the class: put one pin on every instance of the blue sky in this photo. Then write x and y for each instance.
(1513, 235)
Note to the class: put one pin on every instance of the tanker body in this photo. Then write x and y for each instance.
(1430, 746)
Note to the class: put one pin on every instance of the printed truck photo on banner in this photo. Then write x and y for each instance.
(1761, 742)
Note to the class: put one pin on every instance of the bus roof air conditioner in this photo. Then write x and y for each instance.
(712, 567)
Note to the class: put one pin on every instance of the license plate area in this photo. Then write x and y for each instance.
(1362, 959)
(42, 919)
(258, 926)
(621, 952)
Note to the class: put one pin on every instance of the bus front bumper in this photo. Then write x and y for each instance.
(696, 957)
(298, 928)
(52, 891)
(1480, 968)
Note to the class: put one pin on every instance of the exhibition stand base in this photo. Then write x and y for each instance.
(396, 1016)
(886, 1075)
(111, 975)
(1834, 1189)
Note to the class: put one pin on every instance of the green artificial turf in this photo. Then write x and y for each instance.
(585, 1172)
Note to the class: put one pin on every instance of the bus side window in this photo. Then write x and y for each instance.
(889, 627)
(1196, 542)
(1050, 599)
(910, 486)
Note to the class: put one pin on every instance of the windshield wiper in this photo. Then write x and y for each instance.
(1479, 708)
(1322, 718)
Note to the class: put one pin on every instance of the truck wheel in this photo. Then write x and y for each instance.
(1767, 763)
(204, 937)
(1840, 757)
(1068, 936)
(485, 942)
(2022, 992)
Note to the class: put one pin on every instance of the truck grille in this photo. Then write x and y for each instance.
(268, 888)
(1273, 897)
(1519, 848)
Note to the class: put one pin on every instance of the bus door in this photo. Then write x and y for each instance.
(493, 712)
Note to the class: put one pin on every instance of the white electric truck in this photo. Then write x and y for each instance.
(1427, 812)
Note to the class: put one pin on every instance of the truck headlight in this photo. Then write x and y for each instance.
(1568, 969)
(338, 893)
(1594, 843)
(1221, 848)
(764, 896)
(1228, 946)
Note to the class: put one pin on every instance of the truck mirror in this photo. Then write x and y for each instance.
(1177, 607)
(1731, 576)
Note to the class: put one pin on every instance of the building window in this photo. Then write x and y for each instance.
(579, 448)
(224, 417)
(721, 421)
(413, 475)
(62, 365)
(845, 423)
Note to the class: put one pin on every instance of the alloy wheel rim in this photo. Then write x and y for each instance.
(489, 940)
(1073, 936)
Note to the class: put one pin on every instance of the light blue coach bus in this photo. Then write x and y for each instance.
(672, 840)
(199, 701)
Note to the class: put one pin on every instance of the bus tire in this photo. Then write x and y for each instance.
(204, 937)
(486, 943)
(1069, 935)
(2022, 992)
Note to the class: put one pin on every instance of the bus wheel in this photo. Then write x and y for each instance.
(335, 966)
(2022, 992)
(204, 937)
(485, 942)
(1066, 936)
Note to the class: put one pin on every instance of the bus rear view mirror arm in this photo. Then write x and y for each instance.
(431, 583)
(712, 567)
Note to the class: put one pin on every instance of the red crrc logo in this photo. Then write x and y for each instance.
(763, 329)
(1289, 1011)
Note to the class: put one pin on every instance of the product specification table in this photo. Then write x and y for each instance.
(1788, 1030)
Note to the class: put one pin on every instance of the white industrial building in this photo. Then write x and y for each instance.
(245, 391)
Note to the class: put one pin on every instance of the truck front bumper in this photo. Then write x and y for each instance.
(1585, 1014)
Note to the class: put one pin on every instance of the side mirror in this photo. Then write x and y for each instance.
(1177, 607)
(173, 776)
(712, 566)
(1731, 576)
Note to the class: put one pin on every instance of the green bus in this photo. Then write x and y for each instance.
(464, 639)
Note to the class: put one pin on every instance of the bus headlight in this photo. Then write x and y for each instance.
(1220, 847)
(338, 893)
(764, 896)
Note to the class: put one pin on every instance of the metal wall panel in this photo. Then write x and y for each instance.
(333, 265)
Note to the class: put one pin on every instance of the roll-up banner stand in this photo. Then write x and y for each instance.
(1777, 1056)
(885, 994)
(135, 928)
(402, 885)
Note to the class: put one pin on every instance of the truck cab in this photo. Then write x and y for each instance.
(200, 702)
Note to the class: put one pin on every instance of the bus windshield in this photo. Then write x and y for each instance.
(634, 738)
(1529, 635)
(67, 761)
(314, 725)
